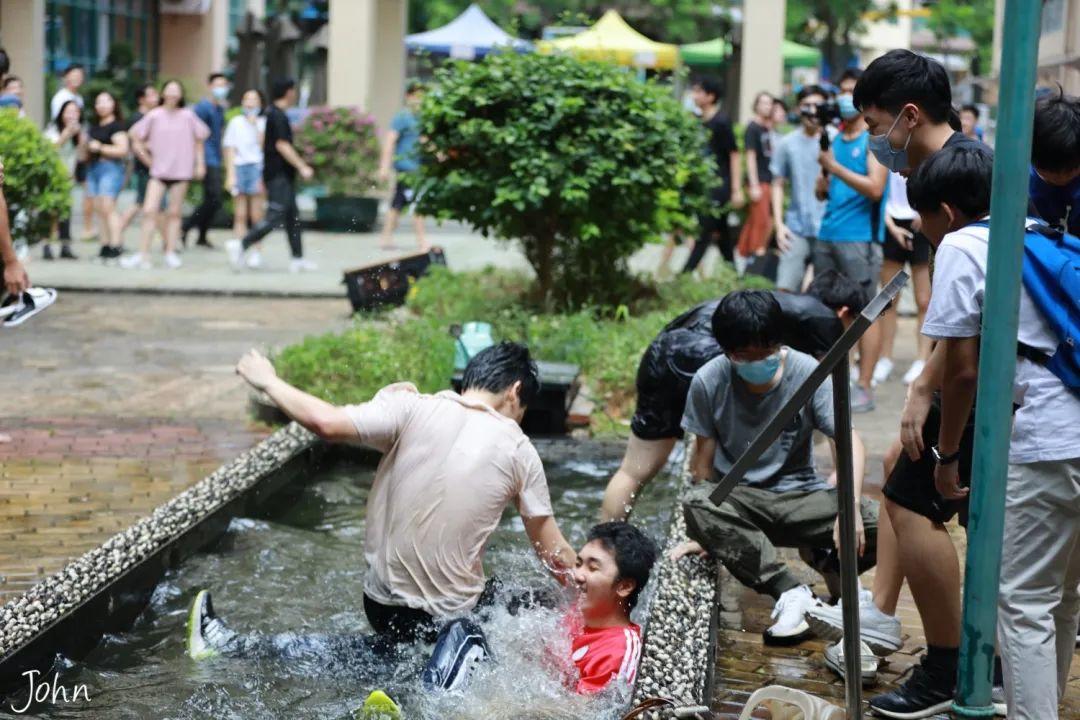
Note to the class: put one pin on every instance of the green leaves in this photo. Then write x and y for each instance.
(342, 145)
(36, 183)
(576, 161)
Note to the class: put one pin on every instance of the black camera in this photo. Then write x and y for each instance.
(823, 114)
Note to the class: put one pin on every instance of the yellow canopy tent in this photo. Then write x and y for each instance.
(611, 38)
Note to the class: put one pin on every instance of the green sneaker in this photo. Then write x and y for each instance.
(202, 626)
(378, 706)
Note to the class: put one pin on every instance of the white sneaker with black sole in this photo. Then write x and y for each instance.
(789, 613)
(868, 662)
(879, 631)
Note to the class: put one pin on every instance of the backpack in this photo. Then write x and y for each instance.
(1052, 279)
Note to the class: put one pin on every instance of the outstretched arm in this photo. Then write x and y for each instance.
(550, 546)
(320, 417)
(15, 278)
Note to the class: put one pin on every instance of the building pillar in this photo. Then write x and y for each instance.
(762, 61)
(193, 46)
(366, 56)
(22, 33)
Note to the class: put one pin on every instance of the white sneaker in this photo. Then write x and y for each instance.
(790, 615)
(914, 371)
(135, 261)
(173, 261)
(253, 259)
(235, 250)
(879, 631)
(868, 661)
(299, 265)
(882, 370)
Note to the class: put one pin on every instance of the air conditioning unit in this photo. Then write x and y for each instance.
(185, 7)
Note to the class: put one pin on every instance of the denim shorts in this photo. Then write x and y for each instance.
(248, 177)
(104, 178)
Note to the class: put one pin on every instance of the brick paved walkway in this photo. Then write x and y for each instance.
(68, 483)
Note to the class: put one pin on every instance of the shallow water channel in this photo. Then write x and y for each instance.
(302, 569)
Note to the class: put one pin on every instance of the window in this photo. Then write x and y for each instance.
(83, 31)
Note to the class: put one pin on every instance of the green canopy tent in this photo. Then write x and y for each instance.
(712, 53)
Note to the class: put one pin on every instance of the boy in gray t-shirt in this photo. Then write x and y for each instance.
(782, 501)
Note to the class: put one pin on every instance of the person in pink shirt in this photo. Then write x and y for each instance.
(169, 139)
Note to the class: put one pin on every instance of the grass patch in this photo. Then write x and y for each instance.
(606, 343)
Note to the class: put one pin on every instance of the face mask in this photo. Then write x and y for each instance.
(894, 160)
(220, 92)
(758, 372)
(846, 105)
(251, 112)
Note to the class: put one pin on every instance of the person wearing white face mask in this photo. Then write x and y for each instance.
(211, 110)
(243, 147)
(782, 500)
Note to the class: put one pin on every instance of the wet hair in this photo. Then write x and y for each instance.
(958, 175)
(496, 368)
(11, 80)
(58, 121)
(178, 84)
(836, 291)
(72, 68)
(851, 73)
(808, 90)
(710, 86)
(1055, 141)
(900, 77)
(747, 318)
(5, 63)
(971, 108)
(634, 552)
(281, 87)
(118, 114)
(214, 76)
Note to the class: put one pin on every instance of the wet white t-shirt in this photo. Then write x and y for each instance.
(1047, 424)
(449, 468)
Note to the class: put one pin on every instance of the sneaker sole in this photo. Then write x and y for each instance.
(868, 678)
(880, 644)
(929, 712)
(196, 653)
(787, 640)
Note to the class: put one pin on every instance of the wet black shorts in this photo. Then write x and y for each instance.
(663, 381)
(80, 171)
(911, 484)
(919, 254)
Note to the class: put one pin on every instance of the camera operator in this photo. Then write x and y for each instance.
(795, 161)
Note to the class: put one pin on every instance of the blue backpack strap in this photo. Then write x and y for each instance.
(1051, 276)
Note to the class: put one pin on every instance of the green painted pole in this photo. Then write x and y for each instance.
(997, 359)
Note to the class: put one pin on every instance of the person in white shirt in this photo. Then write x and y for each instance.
(1039, 602)
(243, 145)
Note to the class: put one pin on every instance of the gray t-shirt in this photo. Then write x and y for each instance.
(796, 160)
(721, 407)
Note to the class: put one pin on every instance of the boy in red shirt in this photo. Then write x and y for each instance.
(611, 571)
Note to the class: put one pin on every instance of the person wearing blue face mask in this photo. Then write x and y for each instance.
(243, 146)
(783, 500)
(211, 110)
(852, 230)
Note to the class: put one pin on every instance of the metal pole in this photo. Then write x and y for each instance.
(997, 357)
(849, 567)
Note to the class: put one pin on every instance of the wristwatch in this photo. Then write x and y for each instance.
(944, 459)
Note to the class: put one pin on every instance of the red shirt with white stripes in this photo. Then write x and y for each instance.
(604, 655)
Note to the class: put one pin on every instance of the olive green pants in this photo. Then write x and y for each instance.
(744, 531)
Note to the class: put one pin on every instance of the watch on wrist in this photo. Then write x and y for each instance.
(944, 459)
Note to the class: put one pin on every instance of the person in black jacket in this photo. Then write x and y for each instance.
(812, 324)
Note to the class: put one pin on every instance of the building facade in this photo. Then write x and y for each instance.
(188, 39)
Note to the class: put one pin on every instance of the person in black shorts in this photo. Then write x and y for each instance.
(812, 324)
(904, 245)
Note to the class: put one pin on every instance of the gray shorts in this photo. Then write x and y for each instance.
(791, 269)
(860, 262)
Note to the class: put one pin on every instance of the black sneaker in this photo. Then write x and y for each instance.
(66, 253)
(926, 693)
(46, 252)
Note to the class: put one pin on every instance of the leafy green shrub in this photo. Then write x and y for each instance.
(36, 183)
(350, 367)
(580, 162)
(342, 146)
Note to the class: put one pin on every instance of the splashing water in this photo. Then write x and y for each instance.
(302, 569)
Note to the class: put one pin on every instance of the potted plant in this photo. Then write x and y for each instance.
(342, 146)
